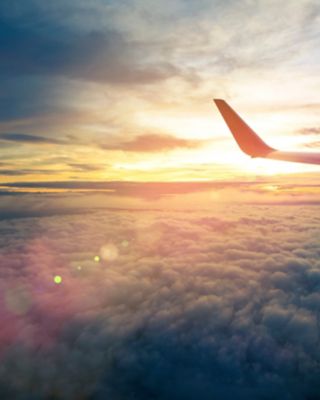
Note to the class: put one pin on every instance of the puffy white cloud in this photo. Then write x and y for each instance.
(193, 305)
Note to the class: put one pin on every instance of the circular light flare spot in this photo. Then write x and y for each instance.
(109, 252)
(57, 279)
(125, 243)
(96, 258)
(79, 268)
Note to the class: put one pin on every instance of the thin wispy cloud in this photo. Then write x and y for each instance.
(309, 131)
(150, 143)
(26, 138)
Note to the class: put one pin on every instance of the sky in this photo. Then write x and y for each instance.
(122, 90)
(143, 256)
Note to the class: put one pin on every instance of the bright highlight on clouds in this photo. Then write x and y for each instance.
(220, 304)
(109, 252)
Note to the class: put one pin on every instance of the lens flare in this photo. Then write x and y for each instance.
(124, 243)
(57, 279)
(109, 252)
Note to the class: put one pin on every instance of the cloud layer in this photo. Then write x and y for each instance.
(162, 305)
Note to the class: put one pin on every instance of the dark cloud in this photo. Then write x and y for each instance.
(148, 143)
(294, 192)
(103, 56)
(85, 167)
(26, 138)
(11, 170)
(146, 190)
(30, 97)
(40, 57)
(180, 305)
(16, 214)
(8, 193)
(23, 171)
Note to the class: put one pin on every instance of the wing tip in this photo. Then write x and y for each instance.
(218, 101)
(248, 141)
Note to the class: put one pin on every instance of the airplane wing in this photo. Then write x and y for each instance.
(251, 144)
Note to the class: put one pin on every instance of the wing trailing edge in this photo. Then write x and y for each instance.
(251, 144)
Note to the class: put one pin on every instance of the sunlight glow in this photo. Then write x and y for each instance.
(181, 125)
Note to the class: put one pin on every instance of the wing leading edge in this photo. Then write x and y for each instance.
(251, 144)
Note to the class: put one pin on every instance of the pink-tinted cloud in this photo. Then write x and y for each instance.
(150, 143)
(163, 304)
